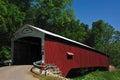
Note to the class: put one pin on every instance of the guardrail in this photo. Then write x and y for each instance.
(7, 62)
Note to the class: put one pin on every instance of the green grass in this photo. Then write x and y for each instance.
(99, 75)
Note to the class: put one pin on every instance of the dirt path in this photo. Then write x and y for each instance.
(16, 73)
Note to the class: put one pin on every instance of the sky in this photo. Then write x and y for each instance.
(88, 11)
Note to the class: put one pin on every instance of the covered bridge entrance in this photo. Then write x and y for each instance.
(27, 46)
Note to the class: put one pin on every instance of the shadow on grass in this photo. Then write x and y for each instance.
(77, 72)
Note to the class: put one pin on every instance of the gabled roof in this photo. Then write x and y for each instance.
(29, 30)
(55, 35)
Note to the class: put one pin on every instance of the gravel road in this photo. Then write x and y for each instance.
(16, 73)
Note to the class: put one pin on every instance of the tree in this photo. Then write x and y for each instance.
(101, 35)
(3, 13)
(11, 18)
(23, 5)
(116, 36)
(114, 52)
(76, 31)
(52, 14)
(4, 53)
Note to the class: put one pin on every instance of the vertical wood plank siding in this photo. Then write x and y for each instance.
(56, 53)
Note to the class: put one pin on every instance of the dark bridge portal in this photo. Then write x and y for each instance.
(27, 50)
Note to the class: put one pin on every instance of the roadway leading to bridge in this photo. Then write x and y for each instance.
(16, 73)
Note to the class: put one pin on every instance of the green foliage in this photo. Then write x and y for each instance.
(22, 4)
(10, 17)
(3, 13)
(101, 76)
(101, 35)
(76, 31)
(115, 50)
(4, 53)
(52, 15)
(15, 18)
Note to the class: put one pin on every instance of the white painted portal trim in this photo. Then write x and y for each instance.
(28, 31)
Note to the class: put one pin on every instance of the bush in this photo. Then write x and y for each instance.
(4, 53)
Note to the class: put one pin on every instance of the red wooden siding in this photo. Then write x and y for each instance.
(56, 53)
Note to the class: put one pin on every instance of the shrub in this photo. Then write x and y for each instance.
(4, 53)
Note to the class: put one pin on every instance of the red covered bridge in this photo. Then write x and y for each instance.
(32, 44)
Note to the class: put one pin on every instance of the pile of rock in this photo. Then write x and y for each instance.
(112, 68)
(48, 70)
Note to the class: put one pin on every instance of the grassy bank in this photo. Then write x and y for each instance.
(115, 75)
(98, 75)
